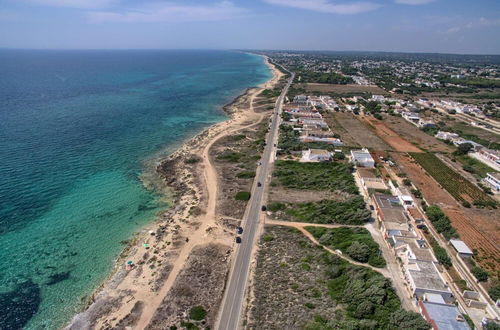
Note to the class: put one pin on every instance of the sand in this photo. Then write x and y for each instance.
(173, 236)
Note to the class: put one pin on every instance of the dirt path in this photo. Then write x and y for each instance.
(160, 257)
(301, 226)
(208, 220)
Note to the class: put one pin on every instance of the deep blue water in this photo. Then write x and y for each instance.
(75, 129)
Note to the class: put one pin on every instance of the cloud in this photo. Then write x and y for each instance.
(325, 6)
(413, 2)
(83, 4)
(170, 12)
(481, 22)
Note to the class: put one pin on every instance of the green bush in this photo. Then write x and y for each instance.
(440, 221)
(246, 174)
(242, 196)
(229, 156)
(479, 273)
(197, 313)
(276, 206)
(355, 242)
(192, 160)
(494, 292)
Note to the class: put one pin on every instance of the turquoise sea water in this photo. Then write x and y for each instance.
(75, 129)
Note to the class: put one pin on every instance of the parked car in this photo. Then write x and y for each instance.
(239, 230)
(238, 239)
(263, 208)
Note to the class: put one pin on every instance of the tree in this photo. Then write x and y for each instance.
(359, 251)
(494, 292)
(480, 274)
(197, 313)
(464, 148)
(402, 319)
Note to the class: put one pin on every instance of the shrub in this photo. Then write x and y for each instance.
(229, 156)
(276, 206)
(480, 274)
(242, 196)
(403, 319)
(197, 313)
(192, 160)
(358, 251)
(494, 292)
(246, 174)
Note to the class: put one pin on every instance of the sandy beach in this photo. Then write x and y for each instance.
(183, 240)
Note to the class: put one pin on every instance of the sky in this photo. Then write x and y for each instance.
(444, 26)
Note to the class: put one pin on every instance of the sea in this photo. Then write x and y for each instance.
(77, 129)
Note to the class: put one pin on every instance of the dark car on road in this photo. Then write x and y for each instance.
(239, 230)
(259, 184)
(238, 239)
(263, 208)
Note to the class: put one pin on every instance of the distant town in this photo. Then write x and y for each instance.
(420, 134)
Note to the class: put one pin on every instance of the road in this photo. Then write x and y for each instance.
(232, 303)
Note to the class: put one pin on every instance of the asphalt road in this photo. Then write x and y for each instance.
(229, 316)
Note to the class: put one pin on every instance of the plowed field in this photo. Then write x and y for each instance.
(389, 136)
(479, 229)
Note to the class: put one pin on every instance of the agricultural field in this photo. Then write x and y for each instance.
(298, 285)
(357, 243)
(478, 228)
(412, 133)
(337, 128)
(388, 135)
(460, 188)
(362, 134)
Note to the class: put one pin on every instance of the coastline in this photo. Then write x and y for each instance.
(166, 236)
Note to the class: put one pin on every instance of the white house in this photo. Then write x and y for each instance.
(316, 155)
(362, 158)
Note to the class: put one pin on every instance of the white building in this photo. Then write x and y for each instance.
(446, 135)
(493, 180)
(462, 249)
(362, 158)
(316, 155)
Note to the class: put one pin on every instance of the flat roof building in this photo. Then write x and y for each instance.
(362, 158)
(423, 277)
(462, 249)
(442, 316)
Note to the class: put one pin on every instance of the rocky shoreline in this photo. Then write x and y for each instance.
(120, 300)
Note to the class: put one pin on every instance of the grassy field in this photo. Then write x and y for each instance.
(357, 243)
(474, 166)
(336, 176)
(350, 212)
(460, 188)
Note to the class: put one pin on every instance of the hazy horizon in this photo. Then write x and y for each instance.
(409, 26)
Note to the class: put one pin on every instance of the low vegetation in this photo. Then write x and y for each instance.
(242, 196)
(440, 253)
(458, 186)
(350, 212)
(357, 243)
(328, 294)
(440, 221)
(334, 176)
